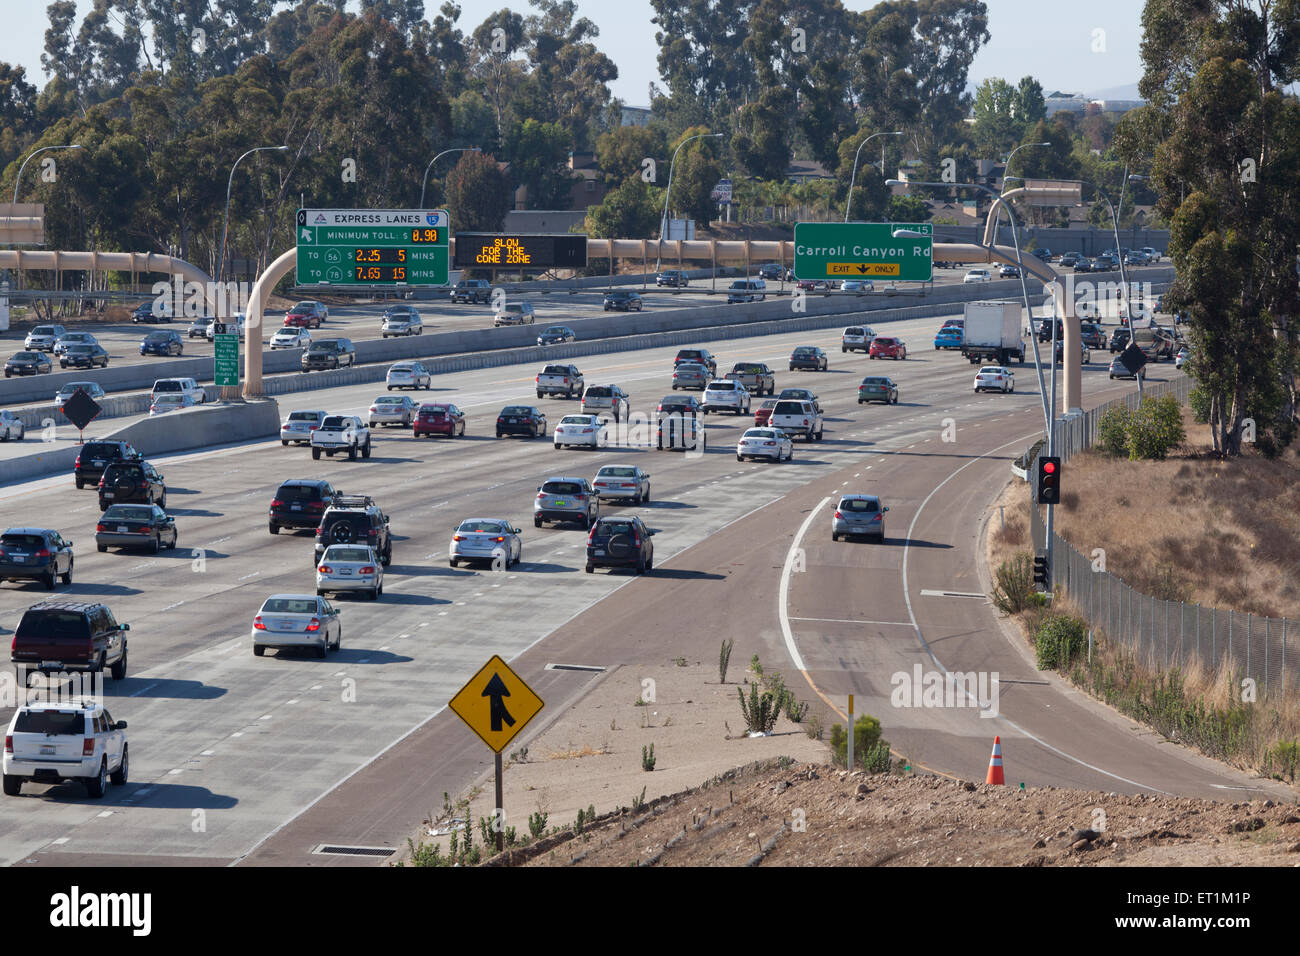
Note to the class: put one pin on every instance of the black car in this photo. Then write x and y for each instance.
(1094, 336)
(354, 519)
(621, 301)
(1083, 264)
(162, 343)
(126, 482)
(28, 363)
(678, 422)
(37, 553)
(620, 542)
(69, 636)
(1119, 340)
(136, 526)
(701, 356)
(1104, 263)
(329, 353)
(526, 420)
(809, 356)
(1069, 259)
(1043, 254)
(1045, 330)
(144, 312)
(557, 335)
(299, 503)
(771, 272)
(95, 456)
(84, 356)
(673, 278)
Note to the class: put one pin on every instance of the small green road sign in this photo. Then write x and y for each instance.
(227, 359)
(863, 250)
(373, 247)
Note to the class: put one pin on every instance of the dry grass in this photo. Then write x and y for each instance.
(1216, 533)
(575, 753)
(1004, 540)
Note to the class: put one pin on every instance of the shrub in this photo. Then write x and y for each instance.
(794, 711)
(648, 758)
(1155, 429)
(866, 734)
(537, 824)
(1112, 430)
(813, 728)
(1014, 590)
(1059, 640)
(724, 659)
(760, 712)
(1199, 400)
(1283, 759)
(878, 759)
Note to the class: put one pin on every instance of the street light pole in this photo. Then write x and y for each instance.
(854, 178)
(1006, 168)
(19, 177)
(225, 220)
(663, 221)
(425, 183)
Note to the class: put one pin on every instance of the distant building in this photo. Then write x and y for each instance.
(806, 170)
(635, 116)
(588, 187)
(1078, 103)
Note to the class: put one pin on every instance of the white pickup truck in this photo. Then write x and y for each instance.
(341, 433)
(563, 380)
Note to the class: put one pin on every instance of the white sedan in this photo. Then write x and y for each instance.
(486, 539)
(408, 375)
(170, 402)
(236, 320)
(995, 378)
(11, 426)
(350, 567)
(770, 443)
(977, 275)
(392, 410)
(622, 481)
(580, 430)
(291, 337)
(725, 394)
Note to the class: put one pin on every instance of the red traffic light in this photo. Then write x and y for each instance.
(1049, 467)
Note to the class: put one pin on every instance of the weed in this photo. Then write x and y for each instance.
(679, 661)
(756, 667)
(760, 712)
(724, 659)
(537, 824)
(813, 728)
(1014, 590)
(638, 803)
(648, 758)
(1059, 640)
(866, 734)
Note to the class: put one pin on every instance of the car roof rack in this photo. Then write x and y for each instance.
(352, 501)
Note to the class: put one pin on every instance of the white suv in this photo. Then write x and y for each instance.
(857, 337)
(55, 742)
(43, 337)
(796, 417)
(725, 395)
(184, 386)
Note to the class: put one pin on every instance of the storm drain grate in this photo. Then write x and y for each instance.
(575, 667)
(330, 850)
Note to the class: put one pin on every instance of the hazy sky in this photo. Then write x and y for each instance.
(1086, 48)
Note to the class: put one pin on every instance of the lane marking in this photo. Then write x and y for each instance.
(143, 689)
(840, 620)
(960, 594)
(783, 599)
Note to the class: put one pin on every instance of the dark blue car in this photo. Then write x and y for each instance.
(162, 343)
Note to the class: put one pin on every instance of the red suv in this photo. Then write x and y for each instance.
(885, 347)
(439, 419)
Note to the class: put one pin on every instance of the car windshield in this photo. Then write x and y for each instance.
(513, 308)
(305, 307)
(44, 330)
(93, 449)
(303, 416)
(478, 526)
(59, 723)
(799, 393)
(402, 368)
(745, 368)
(990, 370)
(326, 346)
(555, 369)
(576, 420)
(617, 471)
(335, 553)
(158, 337)
(860, 505)
(722, 386)
(788, 408)
(556, 330)
(289, 606)
(770, 403)
(691, 368)
(389, 400)
(169, 399)
(129, 512)
(880, 340)
(79, 349)
(562, 488)
(760, 433)
(853, 332)
(516, 410)
(52, 624)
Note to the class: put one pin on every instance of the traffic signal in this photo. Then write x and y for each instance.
(1042, 573)
(1049, 480)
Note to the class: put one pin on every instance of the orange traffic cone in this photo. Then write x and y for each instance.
(995, 764)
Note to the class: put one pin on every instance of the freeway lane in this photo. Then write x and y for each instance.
(249, 742)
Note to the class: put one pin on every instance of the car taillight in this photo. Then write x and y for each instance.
(838, 515)
(580, 497)
(541, 494)
(458, 537)
(77, 463)
(277, 503)
(314, 625)
(320, 529)
(257, 623)
(805, 421)
(43, 553)
(88, 747)
(372, 533)
(368, 569)
(877, 517)
(98, 528)
(500, 419)
(9, 743)
(325, 569)
(498, 538)
(537, 379)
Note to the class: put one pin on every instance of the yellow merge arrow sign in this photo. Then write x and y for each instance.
(496, 704)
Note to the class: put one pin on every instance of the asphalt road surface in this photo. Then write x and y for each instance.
(260, 759)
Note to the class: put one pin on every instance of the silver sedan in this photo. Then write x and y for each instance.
(297, 620)
(622, 481)
(691, 375)
(486, 539)
(350, 567)
(392, 410)
(408, 375)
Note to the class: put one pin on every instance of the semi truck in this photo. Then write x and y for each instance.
(991, 333)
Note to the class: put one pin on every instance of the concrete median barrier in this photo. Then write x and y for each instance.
(200, 427)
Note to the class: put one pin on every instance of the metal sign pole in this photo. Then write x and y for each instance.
(500, 815)
(850, 750)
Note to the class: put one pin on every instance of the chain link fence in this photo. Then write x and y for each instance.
(1163, 633)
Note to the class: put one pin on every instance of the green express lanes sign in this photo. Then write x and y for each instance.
(863, 250)
(373, 247)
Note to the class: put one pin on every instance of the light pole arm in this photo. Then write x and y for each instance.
(424, 184)
(19, 178)
(225, 219)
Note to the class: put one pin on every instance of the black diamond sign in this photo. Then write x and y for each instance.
(1133, 358)
(81, 409)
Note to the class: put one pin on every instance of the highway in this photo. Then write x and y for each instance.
(228, 750)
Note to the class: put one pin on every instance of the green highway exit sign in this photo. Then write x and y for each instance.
(226, 372)
(373, 247)
(863, 250)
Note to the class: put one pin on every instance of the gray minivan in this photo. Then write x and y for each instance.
(747, 290)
